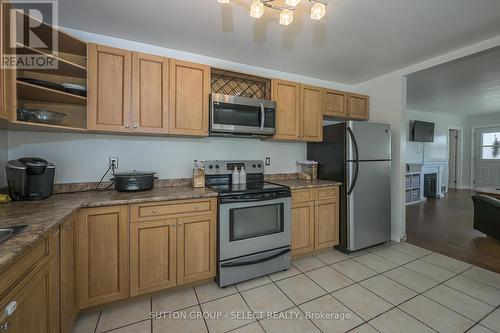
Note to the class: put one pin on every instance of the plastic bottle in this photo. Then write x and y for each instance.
(243, 176)
(236, 176)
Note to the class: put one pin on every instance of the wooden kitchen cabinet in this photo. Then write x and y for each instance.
(150, 105)
(36, 293)
(172, 243)
(69, 296)
(153, 256)
(189, 98)
(315, 219)
(302, 227)
(358, 106)
(109, 89)
(3, 106)
(103, 255)
(196, 248)
(311, 113)
(287, 97)
(335, 103)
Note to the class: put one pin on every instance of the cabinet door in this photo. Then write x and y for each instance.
(37, 298)
(312, 114)
(335, 103)
(287, 96)
(152, 256)
(327, 224)
(3, 71)
(103, 255)
(109, 88)
(69, 300)
(358, 107)
(149, 93)
(303, 228)
(196, 248)
(189, 93)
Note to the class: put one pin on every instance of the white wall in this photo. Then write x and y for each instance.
(388, 103)
(482, 120)
(84, 157)
(436, 151)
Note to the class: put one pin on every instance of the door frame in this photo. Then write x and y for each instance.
(459, 158)
(472, 150)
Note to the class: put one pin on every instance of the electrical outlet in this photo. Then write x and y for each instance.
(113, 160)
(268, 161)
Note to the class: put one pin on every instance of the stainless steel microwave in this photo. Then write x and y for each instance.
(241, 116)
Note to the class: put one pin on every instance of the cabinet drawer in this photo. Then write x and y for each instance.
(37, 256)
(302, 195)
(327, 192)
(141, 212)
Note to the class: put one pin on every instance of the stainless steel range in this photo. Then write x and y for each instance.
(254, 222)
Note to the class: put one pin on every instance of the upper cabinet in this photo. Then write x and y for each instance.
(335, 103)
(109, 88)
(189, 92)
(3, 107)
(149, 93)
(287, 96)
(358, 106)
(312, 113)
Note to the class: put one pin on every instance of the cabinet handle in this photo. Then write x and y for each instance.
(127, 126)
(155, 211)
(68, 227)
(135, 126)
(174, 224)
(180, 223)
(7, 312)
(196, 207)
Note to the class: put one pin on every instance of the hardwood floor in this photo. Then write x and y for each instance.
(445, 226)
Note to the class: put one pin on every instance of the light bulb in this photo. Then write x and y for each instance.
(318, 11)
(286, 17)
(256, 9)
(223, 1)
(292, 3)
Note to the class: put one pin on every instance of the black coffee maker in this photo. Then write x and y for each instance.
(30, 178)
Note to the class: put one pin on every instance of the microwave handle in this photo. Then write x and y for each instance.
(262, 116)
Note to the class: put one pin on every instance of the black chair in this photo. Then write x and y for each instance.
(487, 215)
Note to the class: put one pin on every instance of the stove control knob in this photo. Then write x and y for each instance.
(210, 166)
(216, 166)
(260, 166)
(254, 166)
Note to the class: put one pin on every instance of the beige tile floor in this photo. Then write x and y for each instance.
(390, 288)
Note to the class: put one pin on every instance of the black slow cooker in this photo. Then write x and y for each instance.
(134, 181)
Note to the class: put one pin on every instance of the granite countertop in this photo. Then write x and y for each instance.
(297, 184)
(45, 215)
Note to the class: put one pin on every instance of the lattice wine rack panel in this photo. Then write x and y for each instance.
(238, 84)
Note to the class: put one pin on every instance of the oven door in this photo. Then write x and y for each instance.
(251, 227)
(240, 115)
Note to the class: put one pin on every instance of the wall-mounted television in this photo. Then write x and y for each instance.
(422, 131)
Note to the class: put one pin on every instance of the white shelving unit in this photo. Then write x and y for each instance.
(413, 188)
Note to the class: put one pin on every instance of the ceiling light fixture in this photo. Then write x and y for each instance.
(318, 10)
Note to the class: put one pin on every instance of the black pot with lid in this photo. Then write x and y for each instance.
(134, 181)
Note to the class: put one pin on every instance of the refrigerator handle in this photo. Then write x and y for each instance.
(356, 160)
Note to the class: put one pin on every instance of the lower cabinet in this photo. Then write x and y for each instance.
(179, 248)
(33, 299)
(302, 227)
(103, 255)
(152, 256)
(315, 220)
(69, 296)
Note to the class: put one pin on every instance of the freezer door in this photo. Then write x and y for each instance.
(373, 140)
(369, 205)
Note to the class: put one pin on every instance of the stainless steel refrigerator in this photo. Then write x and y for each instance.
(358, 154)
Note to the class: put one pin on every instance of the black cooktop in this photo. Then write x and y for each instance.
(252, 187)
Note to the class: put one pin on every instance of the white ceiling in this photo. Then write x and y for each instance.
(467, 86)
(359, 40)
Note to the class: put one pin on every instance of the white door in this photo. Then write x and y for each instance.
(452, 158)
(487, 157)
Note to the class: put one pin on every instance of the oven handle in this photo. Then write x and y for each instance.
(236, 200)
(256, 261)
